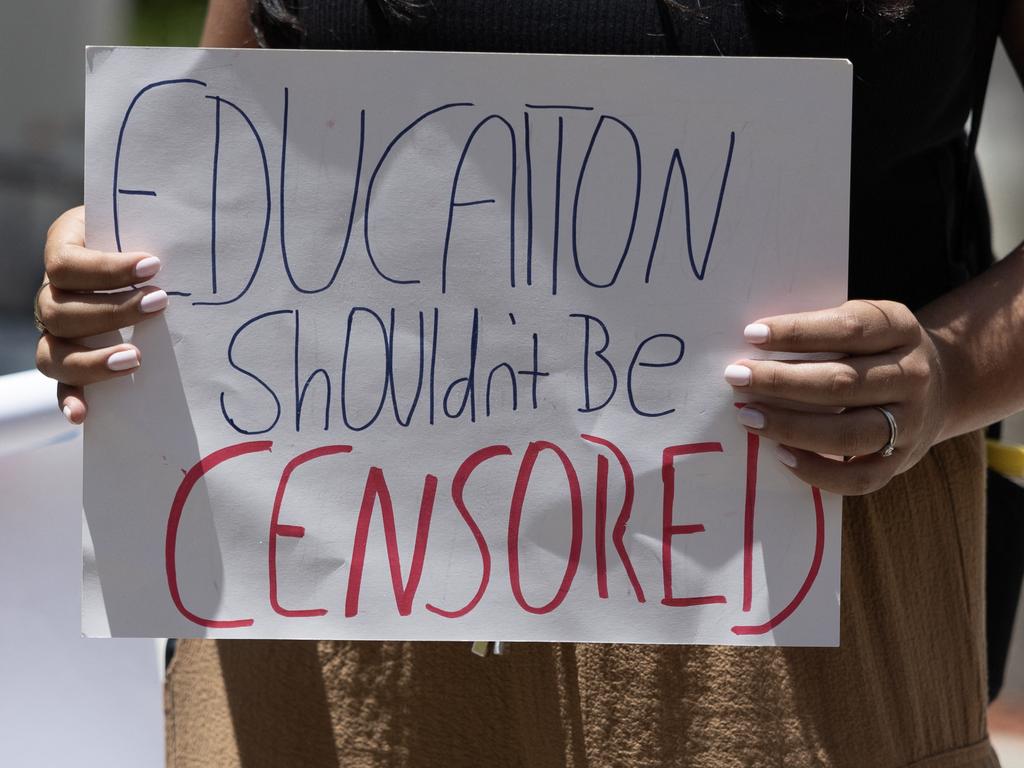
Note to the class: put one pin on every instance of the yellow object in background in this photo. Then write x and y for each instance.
(1006, 458)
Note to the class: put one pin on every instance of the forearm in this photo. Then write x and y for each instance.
(978, 331)
(227, 25)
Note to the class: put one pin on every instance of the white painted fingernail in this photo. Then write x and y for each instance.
(749, 417)
(786, 457)
(147, 267)
(756, 333)
(123, 361)
(737, 375)
(67, 413)
(153, 302)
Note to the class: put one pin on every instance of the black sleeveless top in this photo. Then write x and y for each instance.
(917, 229)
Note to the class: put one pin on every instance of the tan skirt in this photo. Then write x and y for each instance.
(906, 687)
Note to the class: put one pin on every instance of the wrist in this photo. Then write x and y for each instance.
(946, 396)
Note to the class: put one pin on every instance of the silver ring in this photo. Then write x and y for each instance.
(35, 310)
(894, 431)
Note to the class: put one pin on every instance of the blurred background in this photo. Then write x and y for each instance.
(65, 700)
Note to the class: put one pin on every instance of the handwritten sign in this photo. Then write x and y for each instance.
(443, 357)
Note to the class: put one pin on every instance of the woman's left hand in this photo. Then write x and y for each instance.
(890, 361)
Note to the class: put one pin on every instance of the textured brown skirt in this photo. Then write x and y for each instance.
(906, 687)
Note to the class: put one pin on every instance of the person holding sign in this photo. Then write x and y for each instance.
(925, 354)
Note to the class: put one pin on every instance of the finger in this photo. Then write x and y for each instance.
(71, 401)
(854, 432)
(75, 315)
(73, 267)
(856, 327)
(851, 381)
(76, 365)
(856, 477)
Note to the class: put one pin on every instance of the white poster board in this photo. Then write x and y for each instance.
(443, 357)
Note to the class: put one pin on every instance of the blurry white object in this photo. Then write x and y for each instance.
(65, 700)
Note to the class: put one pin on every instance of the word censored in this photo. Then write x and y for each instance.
(405, 579)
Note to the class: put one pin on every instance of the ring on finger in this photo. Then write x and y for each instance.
(889, 448)
(35, 310)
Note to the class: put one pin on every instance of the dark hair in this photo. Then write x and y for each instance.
(267, 15)
(277, 16)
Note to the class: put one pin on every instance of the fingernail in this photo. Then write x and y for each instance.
(750, 417)
(737, 375)
(123, 361)
(67, 414)
(756, 333)
(147, 267)
(786, 457)
(153, 302)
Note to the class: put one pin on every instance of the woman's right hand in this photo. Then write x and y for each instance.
(73, 304)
